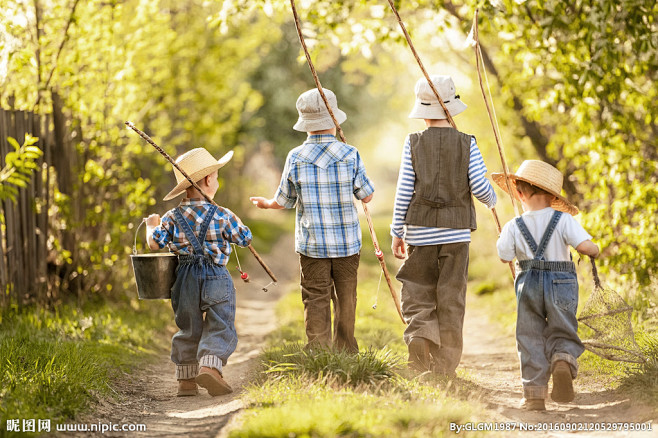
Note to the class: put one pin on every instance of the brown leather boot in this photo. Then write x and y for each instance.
(562, 383)
(212, 380)
(187, 387)
(419, 354)
(533, 404)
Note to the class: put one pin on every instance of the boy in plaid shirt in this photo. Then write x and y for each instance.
(201, 234)
(320, 179)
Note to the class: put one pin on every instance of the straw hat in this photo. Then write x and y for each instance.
(197, 163)
(542, 175)
(313, 113)
(427, 106)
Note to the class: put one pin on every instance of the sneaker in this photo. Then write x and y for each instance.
(533, 404)
(419, 354)
(212, 380)
(186, 388)
(562, 383)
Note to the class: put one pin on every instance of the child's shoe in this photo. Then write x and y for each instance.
(419, 354)
(562, 383)
(533, 404)
(187, 387)
(212, 380)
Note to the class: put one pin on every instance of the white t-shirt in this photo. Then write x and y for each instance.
(568, 231)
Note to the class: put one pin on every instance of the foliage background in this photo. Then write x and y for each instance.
(573, 84)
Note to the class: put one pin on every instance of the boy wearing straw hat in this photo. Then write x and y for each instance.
(434, 215)
(320, 179)
(546, 284)
(201, 234)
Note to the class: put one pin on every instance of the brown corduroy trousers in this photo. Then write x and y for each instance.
(433, 299)
(323, 281)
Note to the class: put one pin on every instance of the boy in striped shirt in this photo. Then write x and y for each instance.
(434, 215)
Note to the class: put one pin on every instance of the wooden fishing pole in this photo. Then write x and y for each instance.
(378, 252)
(438, 96)
(196, 186)
(492, 119)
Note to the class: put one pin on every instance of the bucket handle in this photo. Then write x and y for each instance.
(136, 231)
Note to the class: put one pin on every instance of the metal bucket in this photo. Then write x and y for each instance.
(154, 273)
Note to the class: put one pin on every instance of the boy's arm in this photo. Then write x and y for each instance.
(479, 184)
(363, 187)
(286, 193)
(505, 244)
(158, 233)
(265, 203)
(403, 193)
(233, 229)
(588, 248)
(151, 222)
(576, 236)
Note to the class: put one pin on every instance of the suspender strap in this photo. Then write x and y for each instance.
(538, 251)
(187, 229)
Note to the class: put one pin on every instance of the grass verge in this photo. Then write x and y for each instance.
(330, 394)
(55, 364)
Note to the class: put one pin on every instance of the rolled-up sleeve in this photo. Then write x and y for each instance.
(363, 186)
(163, 233)
(234, 232)
(286, 194)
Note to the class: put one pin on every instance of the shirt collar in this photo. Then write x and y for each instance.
(320, 138)
(193, 201)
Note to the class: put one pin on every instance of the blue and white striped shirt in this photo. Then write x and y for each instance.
(321, 178)
(421, 236)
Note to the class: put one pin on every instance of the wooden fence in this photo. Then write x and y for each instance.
(24, 234)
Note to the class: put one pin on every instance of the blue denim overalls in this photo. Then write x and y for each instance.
(546, 324)
(201, 286)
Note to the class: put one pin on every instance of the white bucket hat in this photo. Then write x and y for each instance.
(542, 175)
(313, 113)
(197, 163)
(427, 106)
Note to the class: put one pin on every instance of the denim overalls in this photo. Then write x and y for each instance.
(546, 325)
(201, 286)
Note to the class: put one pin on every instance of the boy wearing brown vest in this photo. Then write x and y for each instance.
(434, 215)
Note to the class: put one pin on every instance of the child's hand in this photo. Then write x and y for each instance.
(398, 248)
(153, 220)
(265, 203)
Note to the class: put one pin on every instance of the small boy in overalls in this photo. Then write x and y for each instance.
(201, 234)
(546, 284)
(320, 179)
(434, 215)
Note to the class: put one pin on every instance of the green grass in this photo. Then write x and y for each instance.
(329, 394)
(54, 365)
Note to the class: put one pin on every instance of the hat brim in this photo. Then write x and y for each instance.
(307, 124)
(185, 184)
(560, 203)
(435, 111)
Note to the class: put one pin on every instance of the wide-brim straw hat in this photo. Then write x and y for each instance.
(313, 112)
(427, 106)
(197, 163)
(541, 175)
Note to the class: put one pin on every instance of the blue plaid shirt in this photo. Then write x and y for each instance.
(224, 229)
(321, 178)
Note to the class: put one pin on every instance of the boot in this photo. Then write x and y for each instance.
(419, 354)
(562, 383)
(187, 387)
(212, 380)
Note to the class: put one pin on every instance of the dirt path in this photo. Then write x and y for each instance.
(491, 360)
(149, 396)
